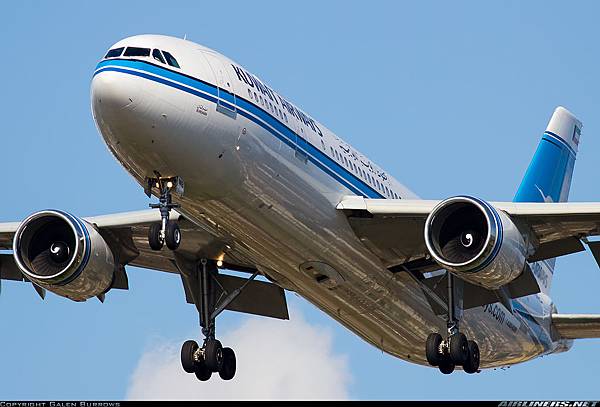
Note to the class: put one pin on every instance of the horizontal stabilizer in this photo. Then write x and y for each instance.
(577, 326)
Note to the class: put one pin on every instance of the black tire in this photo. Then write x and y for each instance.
(432, 349)
(172, 235)
(202, 372)
(459, 348)
(213, 355)
(187, 356)
(229, 364)
(446, 366)
(472, 364)
(154, 239)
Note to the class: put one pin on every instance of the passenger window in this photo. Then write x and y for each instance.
(170, 59)
(255, 97)
(250, 94)
(115, 52)
(137, 52)
(158, 56)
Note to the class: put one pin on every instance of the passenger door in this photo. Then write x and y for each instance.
(226, 102)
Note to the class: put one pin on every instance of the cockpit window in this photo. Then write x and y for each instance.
(115, 52)
(137, 52)
(158, 56)
(170, 59)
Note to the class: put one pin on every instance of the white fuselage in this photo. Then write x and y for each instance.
(265, 177)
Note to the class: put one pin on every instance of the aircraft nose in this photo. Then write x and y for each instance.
(111, 93)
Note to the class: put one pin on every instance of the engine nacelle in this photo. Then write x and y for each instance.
(474, 241)
(63, 254)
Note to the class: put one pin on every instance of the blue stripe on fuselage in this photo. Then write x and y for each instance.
(259, 116)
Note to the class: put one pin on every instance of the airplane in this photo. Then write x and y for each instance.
(250, 185)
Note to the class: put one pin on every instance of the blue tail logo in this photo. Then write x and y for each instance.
(548, 178)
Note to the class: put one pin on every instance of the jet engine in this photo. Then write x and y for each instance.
(475, 242)
(64, 254)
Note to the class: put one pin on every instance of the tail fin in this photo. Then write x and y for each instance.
(548, 178)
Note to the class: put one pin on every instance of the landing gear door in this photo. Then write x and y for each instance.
(226, 102)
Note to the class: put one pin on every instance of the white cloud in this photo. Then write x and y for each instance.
(275, 360)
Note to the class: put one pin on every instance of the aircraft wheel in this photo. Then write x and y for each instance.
(187, 356)
(432, 349)
(459, 348)
(154, 239)
(472, 363)
(213, 355)
(173, 235)
(229, 364)
(202, 372)
(446, 366)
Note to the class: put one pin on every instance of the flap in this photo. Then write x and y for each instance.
(257, 298)
(476, 296)
(9, 269)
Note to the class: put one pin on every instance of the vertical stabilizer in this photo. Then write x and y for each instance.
(548, 177)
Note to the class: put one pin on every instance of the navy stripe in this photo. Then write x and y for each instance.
(159, 80)
(283, 133)
(87, 252)
(561, 140)
(498, 243)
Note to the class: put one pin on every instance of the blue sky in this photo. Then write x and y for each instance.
(449, 97)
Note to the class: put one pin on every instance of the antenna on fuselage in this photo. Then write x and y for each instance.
(185, 36)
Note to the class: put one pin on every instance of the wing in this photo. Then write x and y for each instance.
(126, 234)
(393, 229)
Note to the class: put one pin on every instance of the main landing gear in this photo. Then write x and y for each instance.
(211, 357)
(167, 231)
(455, 350)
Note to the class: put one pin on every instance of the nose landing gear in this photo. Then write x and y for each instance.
(167, 231)
(455, 350)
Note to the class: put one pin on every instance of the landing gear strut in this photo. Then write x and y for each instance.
(166, 231)
(455, 350)
(211, 357)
